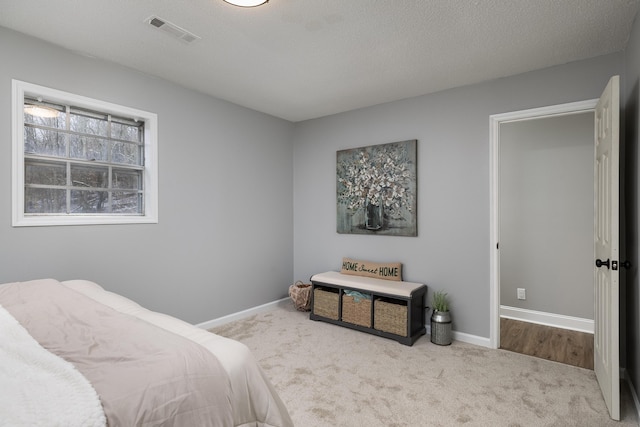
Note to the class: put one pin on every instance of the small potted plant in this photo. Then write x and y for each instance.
(440, 319)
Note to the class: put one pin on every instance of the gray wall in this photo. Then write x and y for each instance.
(224, 238)
(630, 99)
(216, 256)
(546, 214)
(451, 251)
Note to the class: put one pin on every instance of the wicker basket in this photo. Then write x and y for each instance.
(390, 317)
(300, 294)
(325, 304)
(358, 313)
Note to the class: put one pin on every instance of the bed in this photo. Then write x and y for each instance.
(72, 353)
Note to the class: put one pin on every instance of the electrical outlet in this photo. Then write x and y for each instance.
(522, 294)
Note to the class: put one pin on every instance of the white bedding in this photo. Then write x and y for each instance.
(39, 388)
(253, 401)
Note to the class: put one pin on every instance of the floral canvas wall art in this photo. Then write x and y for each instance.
(376, 189)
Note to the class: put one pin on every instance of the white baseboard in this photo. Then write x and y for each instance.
(472, 339)
(548, 319)
(625, 375)
(468, 338)
(243, 314)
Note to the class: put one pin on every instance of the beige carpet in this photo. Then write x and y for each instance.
(333, 376)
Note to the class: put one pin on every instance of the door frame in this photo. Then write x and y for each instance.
(495, 121)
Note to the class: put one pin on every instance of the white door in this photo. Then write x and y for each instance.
(606, 224)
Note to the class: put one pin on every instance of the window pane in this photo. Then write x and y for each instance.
(126, 132)
(90, 125)
(88, 148)
(126, 153)
(127, 179)
(45, 200)
(89, 176)
(45, 173)
(89, 201)
(126, 202)
(58, 122)
(44, 142)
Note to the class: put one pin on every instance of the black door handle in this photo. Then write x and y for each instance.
(600, 263)
(625, 264)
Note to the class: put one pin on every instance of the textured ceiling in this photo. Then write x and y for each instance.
(301, 59)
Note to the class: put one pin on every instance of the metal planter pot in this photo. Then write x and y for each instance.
(441, 327)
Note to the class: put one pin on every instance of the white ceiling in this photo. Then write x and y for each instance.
(302, 59)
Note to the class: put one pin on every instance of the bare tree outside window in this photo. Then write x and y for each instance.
(79, 161)
(82, 162)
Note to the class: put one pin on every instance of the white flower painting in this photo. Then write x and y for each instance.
(376, 189)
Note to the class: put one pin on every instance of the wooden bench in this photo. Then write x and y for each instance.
(395, 309)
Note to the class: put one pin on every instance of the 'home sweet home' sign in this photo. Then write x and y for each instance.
(386, 271)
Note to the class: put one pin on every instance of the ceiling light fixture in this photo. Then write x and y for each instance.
(41, 110)
(246, 3)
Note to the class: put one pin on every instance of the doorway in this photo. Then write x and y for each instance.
(542, 240)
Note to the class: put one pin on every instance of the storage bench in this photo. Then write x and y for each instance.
(395, 309)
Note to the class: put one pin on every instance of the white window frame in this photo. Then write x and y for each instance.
(21, 89)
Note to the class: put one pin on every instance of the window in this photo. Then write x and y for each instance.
(78, 160)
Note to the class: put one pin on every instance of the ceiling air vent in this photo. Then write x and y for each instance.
(171, 29)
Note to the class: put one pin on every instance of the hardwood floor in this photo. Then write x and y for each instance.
(560, 345)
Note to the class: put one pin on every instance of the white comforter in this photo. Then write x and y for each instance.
(39, 388)
(254, 401)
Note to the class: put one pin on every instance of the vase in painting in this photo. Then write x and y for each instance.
(374, 216)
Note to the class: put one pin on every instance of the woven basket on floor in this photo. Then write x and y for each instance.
(358, 313)
(390, 317)
(300, 294)
(325, 304)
